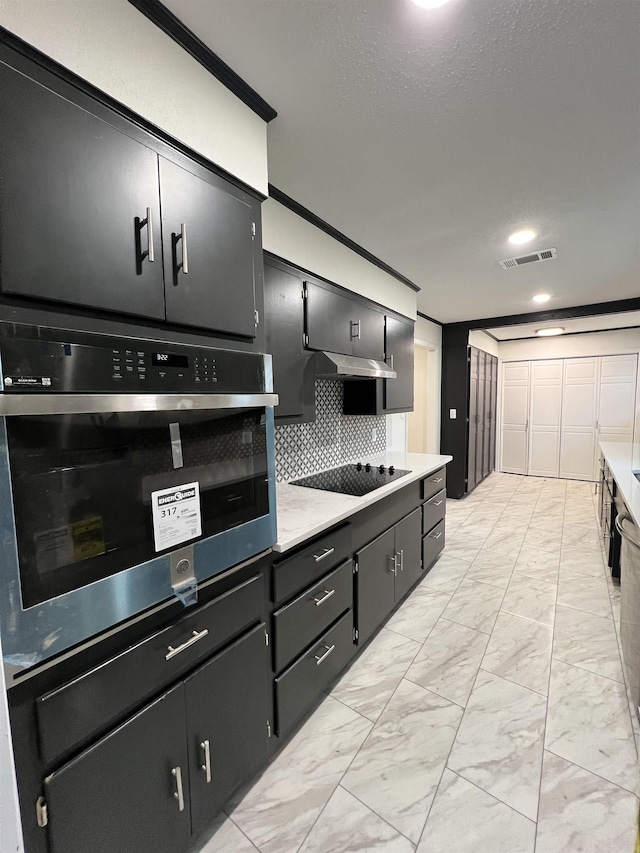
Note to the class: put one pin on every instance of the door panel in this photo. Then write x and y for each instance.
(368, 332)
(515, 417)
(398, 393)
(375, 584)
(578, 449)
(75, 192)
(328, 317)
(514, 451)
(408, 543)
(544, 453)
(472, 480)
(217, 292)
(617, 406)
(579, 408)
(545, 418)
(119, 794)
(228, 705)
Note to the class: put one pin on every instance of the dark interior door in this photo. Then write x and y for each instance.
(375, 584)
(211, 229)
(367, 332)
(329, 317)
(480, 419)
(228, 706)
(284, 321)
(490, 416)
(473, 419)
(408, 547)
(119, 794)
(73, 206)
(399, 351)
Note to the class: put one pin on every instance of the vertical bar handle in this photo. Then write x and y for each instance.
(205, 746)
(179, 793)
(185, 253)
(394, 561)
(150, 253)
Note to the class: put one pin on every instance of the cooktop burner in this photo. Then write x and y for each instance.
(355, 479)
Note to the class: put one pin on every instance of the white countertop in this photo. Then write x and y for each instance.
(303, 513)
(623, 459)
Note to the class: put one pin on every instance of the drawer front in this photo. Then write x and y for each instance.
(296, 573)
(432, 545)
(433, 511)
(94, 702)
(297, 624)
(434, 483)
(298, 687)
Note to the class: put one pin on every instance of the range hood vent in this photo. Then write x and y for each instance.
(531, 258)
(333, 365)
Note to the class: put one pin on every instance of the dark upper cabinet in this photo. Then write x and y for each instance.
(130, 791)
(339, 323)
(73, 205)
(228, 705)
(398, 393)
(408, 533)
(207, 237)
(284, 327)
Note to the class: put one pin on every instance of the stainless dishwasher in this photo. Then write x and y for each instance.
(630, 603)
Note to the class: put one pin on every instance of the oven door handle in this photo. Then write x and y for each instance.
(620, 519)
(14, 405)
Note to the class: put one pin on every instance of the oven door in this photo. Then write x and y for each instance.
(92, 504)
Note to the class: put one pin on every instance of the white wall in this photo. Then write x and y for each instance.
(430, 335)
(572, 346)
(113, 46)
(293, 238)
(480, 340)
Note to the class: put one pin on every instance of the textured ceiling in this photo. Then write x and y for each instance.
(428, 136)
(628, 320)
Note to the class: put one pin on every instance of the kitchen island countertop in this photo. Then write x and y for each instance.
(623, 458)
(304, 513)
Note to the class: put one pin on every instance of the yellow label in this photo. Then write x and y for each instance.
(88, 538)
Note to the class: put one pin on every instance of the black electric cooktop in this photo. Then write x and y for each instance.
(355, 479)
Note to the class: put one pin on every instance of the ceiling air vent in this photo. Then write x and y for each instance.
(532, 258)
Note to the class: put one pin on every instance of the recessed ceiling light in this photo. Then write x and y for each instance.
(541, 297)
(430, 4)
(547, 333)
(522, 237)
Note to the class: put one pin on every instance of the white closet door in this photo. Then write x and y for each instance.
(617, 404)
(515, 417)
(545, 418)
(579, 411)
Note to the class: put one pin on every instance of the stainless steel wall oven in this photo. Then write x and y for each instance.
(130, 470)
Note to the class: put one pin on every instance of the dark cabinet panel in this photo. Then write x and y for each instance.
(472, 463)
(129, 792)
(408, 533)
(434, 510)
(481, 437)
(398, 393)
(375, 584)
(367, 327)
(329, 320)
(432, 545)
(228, 708)
(207, 235)
(284, 322)
(73, 207)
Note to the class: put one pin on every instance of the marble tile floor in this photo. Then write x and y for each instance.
(489, 715)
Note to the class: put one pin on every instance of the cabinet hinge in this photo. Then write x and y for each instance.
(256, 317)
(266, 638)
(42, 815)
(304, 292)
(253, 229)
(356, 634)
(268, 728)
(356, 568)
(306, 340)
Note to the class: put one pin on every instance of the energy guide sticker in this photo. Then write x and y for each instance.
(176, 515)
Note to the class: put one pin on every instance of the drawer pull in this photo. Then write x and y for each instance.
(400, 559)
(327, 595)
(436, 535)
(178, 793)
(325, 553)
(437, 479)
(320, 658)
(197, 635)
(437, 503)
(205, 746)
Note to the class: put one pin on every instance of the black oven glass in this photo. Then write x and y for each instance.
(82, 487)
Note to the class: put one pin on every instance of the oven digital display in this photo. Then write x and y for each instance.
(169, 359)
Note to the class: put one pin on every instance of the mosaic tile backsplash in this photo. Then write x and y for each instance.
(332, 440)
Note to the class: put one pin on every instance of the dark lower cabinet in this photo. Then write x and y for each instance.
(128, 793)
(375, 584)
(408, 557)
(208, 252)
(228, 705)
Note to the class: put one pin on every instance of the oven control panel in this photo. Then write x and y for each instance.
(37, 359)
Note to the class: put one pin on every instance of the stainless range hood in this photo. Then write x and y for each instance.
(333, 365)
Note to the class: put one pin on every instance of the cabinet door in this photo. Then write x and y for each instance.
(545, 418)
(398, 393)
(121, 793)
(228, 707)
(375, 584)
(408, 543)
(207, 238)
(494, 414)
(480, 472)
(328, 320)
(75, 194)
(515, 417)
(284, 320)
(473, 419)
(367, 332)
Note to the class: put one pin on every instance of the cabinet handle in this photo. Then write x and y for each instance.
(394, 567)
(184, 264)
(195, 637)
(178, 793)
(437, 479)
(149, 223)
(390, 362)
(437, 503)
(325, 553)
(436, 535)
(400, 559)
(327, 595)
(320, 658)
(206, 748)
(355, 335)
